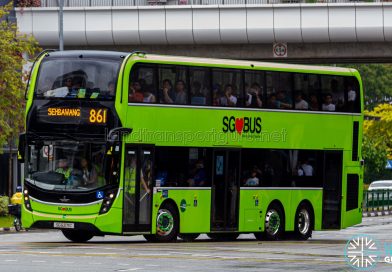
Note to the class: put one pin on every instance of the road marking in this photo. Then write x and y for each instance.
(95, 263)
(67, 262)
(10, 260)
(130, 269)
(36, 261)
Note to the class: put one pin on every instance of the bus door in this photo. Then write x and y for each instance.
(138, 174)
(225, 190)
(332, 189)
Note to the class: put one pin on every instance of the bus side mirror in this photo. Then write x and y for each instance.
(22, 147)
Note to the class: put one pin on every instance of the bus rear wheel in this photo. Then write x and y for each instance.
(188, 237)
(77, 236)
(274, 223)
(167, 224)
(303, 222)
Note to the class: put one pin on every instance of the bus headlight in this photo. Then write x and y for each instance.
(108, 201)
(26, 199)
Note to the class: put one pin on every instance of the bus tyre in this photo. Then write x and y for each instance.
(167, 224)
(77, 236)
(223, 236)
(303, 222)
(274, 223)
(188, 237)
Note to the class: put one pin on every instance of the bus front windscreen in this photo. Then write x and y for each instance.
(69, 166)
(91, 79)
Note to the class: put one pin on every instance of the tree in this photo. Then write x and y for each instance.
(377, 83)
(13, 47)
(377, 142)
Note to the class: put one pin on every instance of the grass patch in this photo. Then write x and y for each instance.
(6, 221)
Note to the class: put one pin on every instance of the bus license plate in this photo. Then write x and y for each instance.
(61, 225)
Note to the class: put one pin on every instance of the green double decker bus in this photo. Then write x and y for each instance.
(164, 146)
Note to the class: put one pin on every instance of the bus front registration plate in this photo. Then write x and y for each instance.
(62, 225)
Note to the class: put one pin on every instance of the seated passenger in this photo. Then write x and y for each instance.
(135, 92)
(284, 102)
(111, 88)
(272, 103)
(328, 105)
(300, 104)
(63, 168)
(253, 180)
(166, 95)
(89, 173)
(180, 93)
(198, 97)
(254, 96)
(198, 175)
(314, 104)
(216, 95)
(228, 99)
(148, 97)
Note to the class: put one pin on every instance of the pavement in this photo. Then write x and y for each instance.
(49, 251)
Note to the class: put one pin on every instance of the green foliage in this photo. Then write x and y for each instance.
(377, 142)
(377, 83)
(12, 80)
(4, 201)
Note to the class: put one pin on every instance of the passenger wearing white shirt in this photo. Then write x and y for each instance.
(228, 99)
(328, 105)
(300, 104)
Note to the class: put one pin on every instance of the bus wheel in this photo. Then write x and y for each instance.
(303, 222)
(274, 223)
(223, 236)
(167, 224)
(77, 236)
(188, 237)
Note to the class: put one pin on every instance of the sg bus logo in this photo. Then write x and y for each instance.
(241, 125)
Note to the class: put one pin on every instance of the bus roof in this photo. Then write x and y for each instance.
(244, 63)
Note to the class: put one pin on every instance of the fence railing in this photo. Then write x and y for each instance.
(377, 201)
(119, 3)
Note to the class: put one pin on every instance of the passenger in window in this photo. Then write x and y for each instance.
(284, 102)
(135, 92)
(253, 180)
(198, 175)
(148, 97)
(198, 97)
(337, 95)
(300, 103)
(305, 169)
(351, 97)
(228, 99)
(254, 96)
(180, 96)
(328, 105)
(314, 104)
(166, 95)
(216, 95)
(272, 103)
(111, 88)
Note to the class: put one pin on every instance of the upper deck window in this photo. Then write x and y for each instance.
(82, 78)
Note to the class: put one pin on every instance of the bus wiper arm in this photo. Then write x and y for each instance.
(68, 136)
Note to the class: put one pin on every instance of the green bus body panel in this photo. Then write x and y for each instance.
(59, 208)
(180, 127)
(194, 208)
(254, 204)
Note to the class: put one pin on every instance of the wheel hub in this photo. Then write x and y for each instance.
(165, 222)
(303, 221)
(272, 222)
